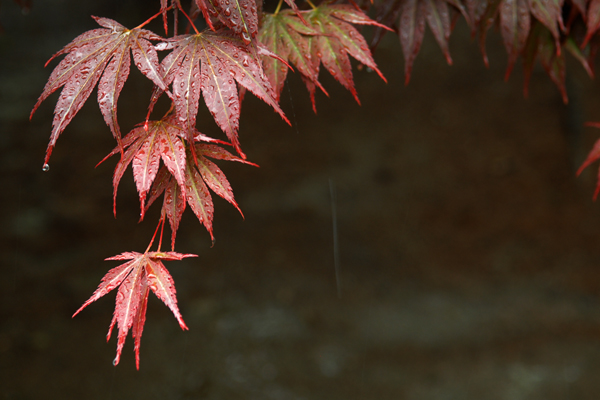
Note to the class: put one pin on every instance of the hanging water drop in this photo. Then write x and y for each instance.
(46, 168)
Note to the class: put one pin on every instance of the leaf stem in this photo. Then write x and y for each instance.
(188, 18)
(151, 18)
(162, 229)
(278, 7)
(161, 220)
(311, 4)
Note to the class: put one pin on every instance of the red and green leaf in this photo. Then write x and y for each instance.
(285, 35)
(549, 13)
(336, 39)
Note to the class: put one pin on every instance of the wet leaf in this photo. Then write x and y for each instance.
(98, 55)
(135, 279)
(210, 63)
(336, 39)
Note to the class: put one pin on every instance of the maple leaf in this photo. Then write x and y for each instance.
(210, 63)
(199, 176)
(413, 15)
(284, 34)
(99, 55)
(145, 146)
(592, 157)
(541, 44)
(335, 40)
(549, 13)
(515, 22)
(135, 279)
(238, 15)
(593, 20)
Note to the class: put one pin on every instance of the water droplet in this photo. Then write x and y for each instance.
(116, 361)
(46, 168)
(245, 63)
(227, 12)
(246, 37)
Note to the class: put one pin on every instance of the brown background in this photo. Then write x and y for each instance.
(469, 251)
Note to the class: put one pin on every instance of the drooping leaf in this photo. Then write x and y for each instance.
(135, 278)
(173, 206)
(540, 44)
(592, 157)
(198, 197)
(575, 51)
(553, 62)
(212, 175)
(285, 35)
(147, 145)
(198, 177)
(593, 20)
(210, 63)
(515, 22)
(485, 22)
(549, 13)
(413, 15)
(99, 55)
(337, 38)
(238, 15)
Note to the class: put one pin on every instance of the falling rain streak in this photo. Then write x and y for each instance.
(336, 248)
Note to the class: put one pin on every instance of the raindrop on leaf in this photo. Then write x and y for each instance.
(46, 168)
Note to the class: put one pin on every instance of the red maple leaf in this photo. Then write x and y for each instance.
(198, 177)
(238, 15)
(210, 63)
(135, 279)
(144, 147)
(183, 179)
(99, 55)
(413, 15)
(592, 157)
(515, 22)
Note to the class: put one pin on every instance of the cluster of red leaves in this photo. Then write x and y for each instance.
(532, 29)
(219, 65)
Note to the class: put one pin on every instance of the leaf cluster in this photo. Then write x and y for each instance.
(543, 30)
(247, 50)
(240, 51)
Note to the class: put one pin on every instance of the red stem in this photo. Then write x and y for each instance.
(162, 220)
(188, 18)
(151, 18)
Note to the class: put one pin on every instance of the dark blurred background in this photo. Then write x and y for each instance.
(468, 249)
